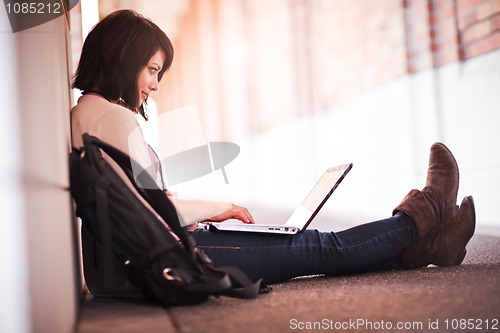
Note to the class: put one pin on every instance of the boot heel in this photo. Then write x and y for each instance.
(460, 257)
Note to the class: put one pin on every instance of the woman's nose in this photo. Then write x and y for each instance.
(154, 84)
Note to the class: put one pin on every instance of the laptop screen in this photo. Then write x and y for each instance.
(313, 202)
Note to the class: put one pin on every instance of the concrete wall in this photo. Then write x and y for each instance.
(38, 281)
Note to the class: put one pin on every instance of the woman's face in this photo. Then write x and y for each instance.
(148, 77)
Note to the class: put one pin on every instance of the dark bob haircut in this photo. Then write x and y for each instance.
(115, 52)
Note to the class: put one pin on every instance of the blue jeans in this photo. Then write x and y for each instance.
(275, 258)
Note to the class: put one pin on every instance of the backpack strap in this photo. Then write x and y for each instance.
(245, 289)
(104, 229)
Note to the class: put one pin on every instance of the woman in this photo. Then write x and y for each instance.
(123, 59)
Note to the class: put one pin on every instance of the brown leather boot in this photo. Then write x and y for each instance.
(445, 246)
(436, 202)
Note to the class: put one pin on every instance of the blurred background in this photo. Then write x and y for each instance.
(301, 85)
(298, 85)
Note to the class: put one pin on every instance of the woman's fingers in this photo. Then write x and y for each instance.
(244, 215)
(235, 212)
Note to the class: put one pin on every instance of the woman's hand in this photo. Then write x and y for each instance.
(235, 212)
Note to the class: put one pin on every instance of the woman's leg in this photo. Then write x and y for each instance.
(278, 258)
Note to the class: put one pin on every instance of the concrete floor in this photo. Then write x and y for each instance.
(431, 299)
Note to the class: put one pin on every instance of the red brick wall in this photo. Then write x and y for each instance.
(355, 45)
(439, 32)
(479, 26)
(260, 62)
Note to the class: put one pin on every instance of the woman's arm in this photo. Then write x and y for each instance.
(199, 210)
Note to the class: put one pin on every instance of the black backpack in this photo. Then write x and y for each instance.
(127, 246)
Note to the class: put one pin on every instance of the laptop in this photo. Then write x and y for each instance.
(303, 215)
